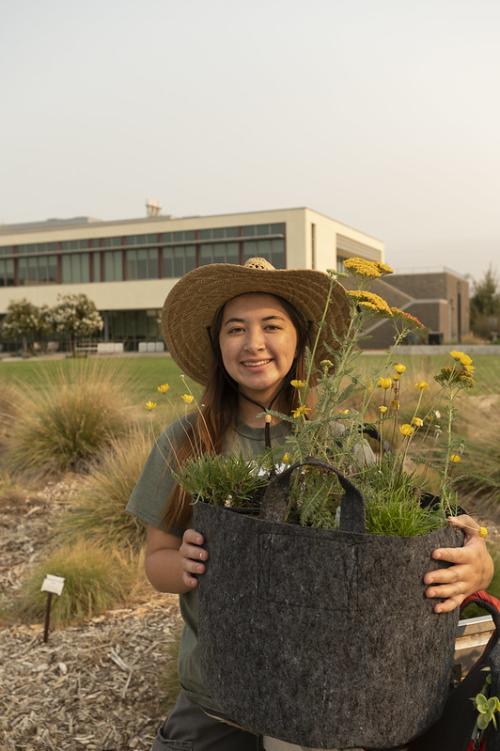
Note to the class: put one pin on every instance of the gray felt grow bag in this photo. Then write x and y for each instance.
(322, 638)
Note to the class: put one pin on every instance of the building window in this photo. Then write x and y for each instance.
(6, 273)
(75, 268)
(177, 261)
(219, 253)
(113, 268)
(142, 264)
(340, 264)
(37, 270)
(96, 267)
(7, 250)
(272, 250)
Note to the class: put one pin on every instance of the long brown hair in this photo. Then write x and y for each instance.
(219, 408)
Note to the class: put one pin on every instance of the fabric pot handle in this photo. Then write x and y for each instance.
(274, 506)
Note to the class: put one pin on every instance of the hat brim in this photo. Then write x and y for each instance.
(190, 307)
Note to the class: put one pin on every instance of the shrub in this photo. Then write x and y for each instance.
(65, 424)
(95, 580)
(99, 512)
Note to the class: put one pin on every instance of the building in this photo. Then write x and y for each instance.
(438, 298)
(128, 267)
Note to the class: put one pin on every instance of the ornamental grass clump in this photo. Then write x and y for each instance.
(98, 512)
(95, 580)
(65, 423)
(230, 481)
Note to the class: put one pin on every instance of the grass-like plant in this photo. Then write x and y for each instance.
(221, 480)
(96, 580)
(63, 424)
(98, 513)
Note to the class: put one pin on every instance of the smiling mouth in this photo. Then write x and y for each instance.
(255, 363)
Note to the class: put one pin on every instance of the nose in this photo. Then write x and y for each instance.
(254, 340)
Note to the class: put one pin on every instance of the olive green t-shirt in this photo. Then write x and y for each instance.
(149, 502)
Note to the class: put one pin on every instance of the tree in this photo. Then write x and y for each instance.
(26, 322)
(485, 306)
(76, 316)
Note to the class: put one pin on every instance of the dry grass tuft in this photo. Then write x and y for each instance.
(66, 423)
(99, 512)
(95, 580)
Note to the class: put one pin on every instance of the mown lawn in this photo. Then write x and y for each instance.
(145, 373)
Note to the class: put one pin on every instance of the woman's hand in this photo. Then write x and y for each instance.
(472, 569)
(191, 556)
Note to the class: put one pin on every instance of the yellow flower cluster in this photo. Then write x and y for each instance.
(297, 384)
(378, 303)
(463, 376)
(301, 411)
(407, 318)
(384, 383)
(399, 368)
(150, 405)
(163, 388)
(187, 398)
(417, 422)
(422, 385)
(368, 269)
(455, 458)
(406, 430)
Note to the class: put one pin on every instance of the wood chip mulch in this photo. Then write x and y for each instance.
(98, 686)
(103, 685)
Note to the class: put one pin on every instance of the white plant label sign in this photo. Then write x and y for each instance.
(53, 584)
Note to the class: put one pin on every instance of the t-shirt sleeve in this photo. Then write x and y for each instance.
(149, 498)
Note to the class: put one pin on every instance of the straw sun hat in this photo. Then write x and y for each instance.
(191, 305)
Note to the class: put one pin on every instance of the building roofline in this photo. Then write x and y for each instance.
(83, 222)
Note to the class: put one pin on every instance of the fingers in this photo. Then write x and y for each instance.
(192, 557)
(450, 604)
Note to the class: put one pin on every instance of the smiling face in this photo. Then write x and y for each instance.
(258, 343)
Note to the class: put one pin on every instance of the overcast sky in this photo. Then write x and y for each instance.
(383, 114)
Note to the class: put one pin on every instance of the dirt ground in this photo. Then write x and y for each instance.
(102, 686)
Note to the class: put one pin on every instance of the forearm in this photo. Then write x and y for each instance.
(164, 570)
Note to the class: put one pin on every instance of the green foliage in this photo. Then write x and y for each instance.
(76, 315)
(485, 306)
(393, 507)
(63, 426)
(95, 580)
(25, 321)
(99, 512)
(221, 480)
(314, 499)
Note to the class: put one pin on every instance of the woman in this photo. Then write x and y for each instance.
(242, 332)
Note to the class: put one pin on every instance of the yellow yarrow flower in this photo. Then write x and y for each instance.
(406, 430)
(461, 357)
(363, 267)
(395, 404)
(345, 411)
(300, 411)
(384, 268)
(383, 409)
(400, 368)
(361, 295)
(285, 458)
(297, 384)
(384, 383)
(150, 405)
(326, 364)
(187, 398)
(482, 531)
(421, 385)
(368, 305)
(163, 388)
(417, 422)
(455, 458)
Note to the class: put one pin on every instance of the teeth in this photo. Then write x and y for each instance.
(253, 364)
